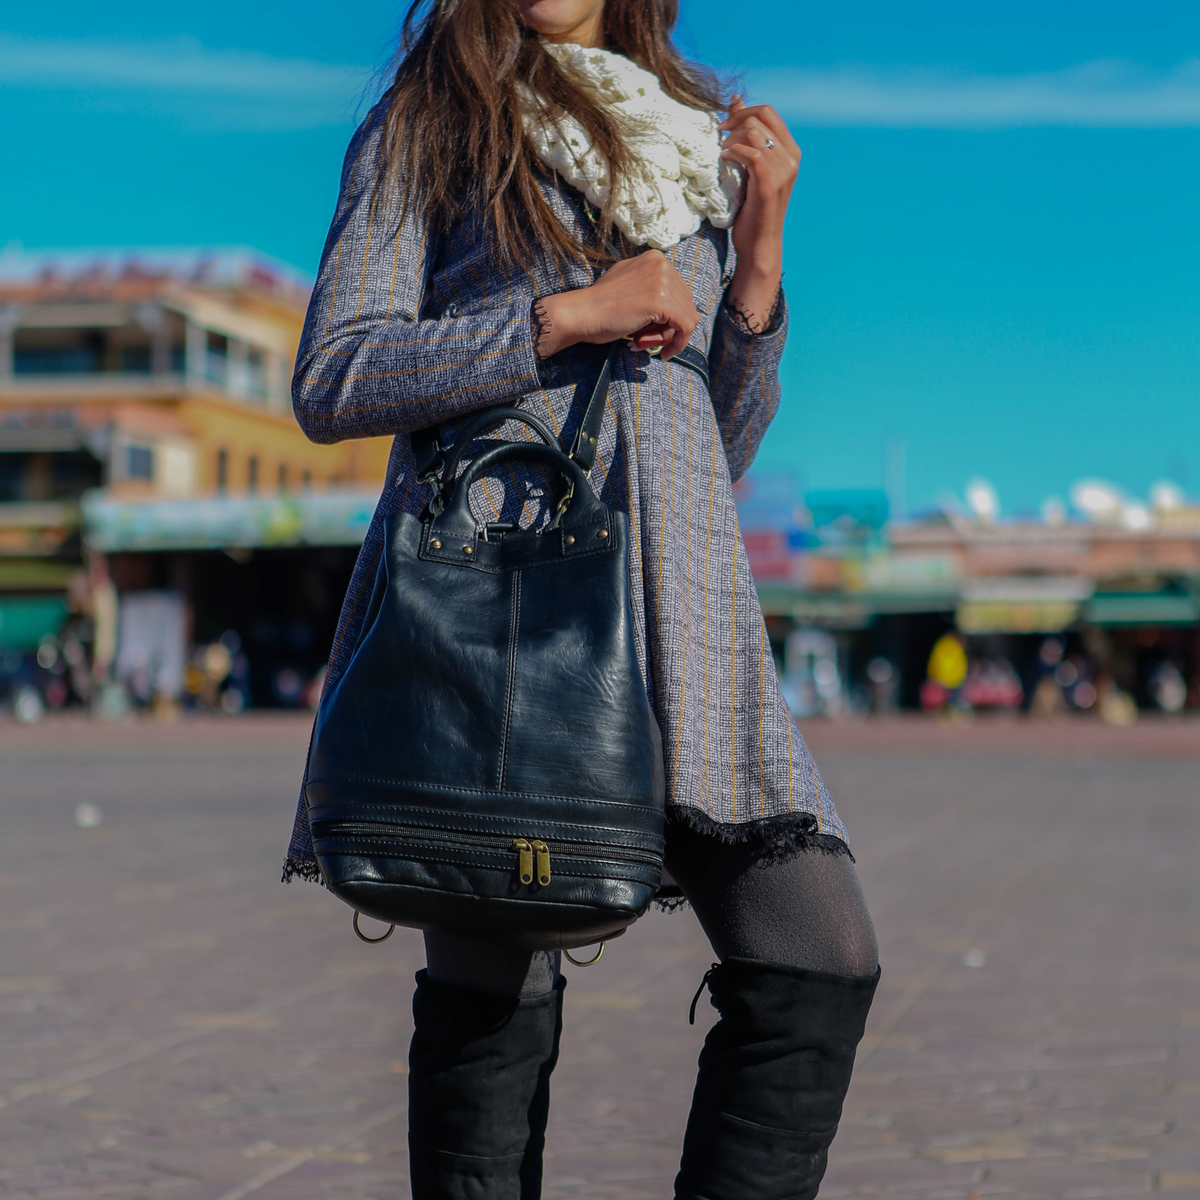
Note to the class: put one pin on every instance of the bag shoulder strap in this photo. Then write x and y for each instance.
(427, 453)
(583, 450)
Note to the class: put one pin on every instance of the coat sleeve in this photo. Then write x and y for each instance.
(367, 364)
(745, 383)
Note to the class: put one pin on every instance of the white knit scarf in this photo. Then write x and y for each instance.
(678, 179)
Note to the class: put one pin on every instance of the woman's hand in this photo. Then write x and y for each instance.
(644, 297)
(760, 143)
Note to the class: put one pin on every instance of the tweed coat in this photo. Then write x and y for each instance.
(409, 328)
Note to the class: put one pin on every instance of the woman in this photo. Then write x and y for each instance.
(545, 177)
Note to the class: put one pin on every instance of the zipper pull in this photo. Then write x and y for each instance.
(543, 861)
(525, 860)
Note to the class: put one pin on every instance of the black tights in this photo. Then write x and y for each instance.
(806, 910)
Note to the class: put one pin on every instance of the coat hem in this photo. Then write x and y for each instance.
(779, 836)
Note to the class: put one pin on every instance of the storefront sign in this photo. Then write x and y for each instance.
(334, 518)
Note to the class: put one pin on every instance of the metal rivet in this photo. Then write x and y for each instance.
(468, 549)
(436, 544)
(569, 539)
(603, 533)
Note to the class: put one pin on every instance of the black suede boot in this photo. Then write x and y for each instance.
(479, 1091)
(773, 1074)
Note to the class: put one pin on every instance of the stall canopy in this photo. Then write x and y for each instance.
(334, 518)
(26, 620)
(1021, 603)
(1170, 605)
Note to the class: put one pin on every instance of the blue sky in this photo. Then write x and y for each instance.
(993, 246)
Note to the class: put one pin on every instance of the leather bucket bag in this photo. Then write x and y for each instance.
(488, 764)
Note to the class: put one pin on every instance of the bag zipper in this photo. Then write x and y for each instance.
(529, 851)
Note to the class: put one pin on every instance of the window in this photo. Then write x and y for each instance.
(135, 359)
(58, 351)
(222, 470)
(252, 474)
(283, 477)
(139, 462)
(256, 371)
(216, 357)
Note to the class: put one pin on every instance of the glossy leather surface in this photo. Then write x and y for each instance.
(495, 694)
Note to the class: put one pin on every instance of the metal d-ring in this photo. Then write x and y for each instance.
(591, 962)
(373, 941)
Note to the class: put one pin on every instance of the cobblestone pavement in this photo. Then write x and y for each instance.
(174, 1023)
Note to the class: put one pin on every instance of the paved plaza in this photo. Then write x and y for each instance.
(174, 1023)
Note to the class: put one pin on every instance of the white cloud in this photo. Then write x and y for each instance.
(238, 87)
(1102, 94)
(245, 88)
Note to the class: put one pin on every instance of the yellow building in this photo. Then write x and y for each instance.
(157, 375)
(146, 418)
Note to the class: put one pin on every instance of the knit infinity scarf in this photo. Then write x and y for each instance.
(678, 179)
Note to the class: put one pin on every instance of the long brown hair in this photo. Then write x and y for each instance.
(454, 113)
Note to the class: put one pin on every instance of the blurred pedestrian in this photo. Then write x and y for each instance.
(105, 617)
(469, 266)
(1048, 699)
(945, 675)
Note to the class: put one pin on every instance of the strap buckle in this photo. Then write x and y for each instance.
(429, 459)
(437, 498)
(431, 475)
(561, 509)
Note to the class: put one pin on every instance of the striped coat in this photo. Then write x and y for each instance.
(408, 328)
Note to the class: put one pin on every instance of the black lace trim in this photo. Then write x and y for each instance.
(776, 840)
(302, 868)
(540, 322)
(745, 320)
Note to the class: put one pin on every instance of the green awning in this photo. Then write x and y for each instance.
(25, 620)
(1173, 607)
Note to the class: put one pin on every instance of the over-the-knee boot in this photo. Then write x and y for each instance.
(773, 1074)
(479, 1091)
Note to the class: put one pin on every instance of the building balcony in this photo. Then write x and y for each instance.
(99, 385)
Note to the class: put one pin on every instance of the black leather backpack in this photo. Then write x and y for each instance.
(488, 763)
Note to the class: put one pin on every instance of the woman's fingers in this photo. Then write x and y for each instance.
(652, 336)
(743, 152)
(673, 347)
(751, 132)
(773, 165)
(766, 116)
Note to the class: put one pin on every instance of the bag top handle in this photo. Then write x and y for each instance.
(435, 467)
(580, 501)
(491, 416)
(432, 461)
